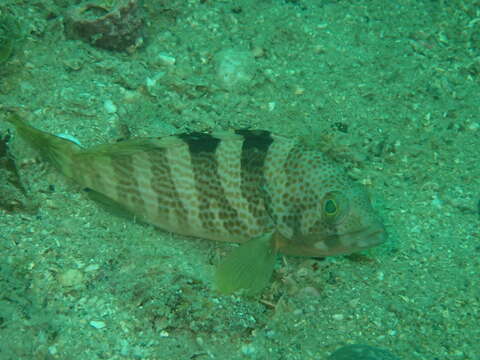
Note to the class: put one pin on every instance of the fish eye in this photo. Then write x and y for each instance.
(330, 207)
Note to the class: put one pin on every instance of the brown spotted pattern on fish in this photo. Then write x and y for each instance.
(228, 186)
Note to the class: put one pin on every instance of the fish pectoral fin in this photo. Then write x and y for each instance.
(249, 267)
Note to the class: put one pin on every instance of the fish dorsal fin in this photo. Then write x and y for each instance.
(122, 148)
(130, 147)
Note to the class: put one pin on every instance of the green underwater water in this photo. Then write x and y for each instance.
(390, 90)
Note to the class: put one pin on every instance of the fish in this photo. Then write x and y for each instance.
(267, 192)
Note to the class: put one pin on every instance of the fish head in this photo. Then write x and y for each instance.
(341, 222)
(347, 224)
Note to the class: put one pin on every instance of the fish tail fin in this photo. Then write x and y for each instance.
(60, 152)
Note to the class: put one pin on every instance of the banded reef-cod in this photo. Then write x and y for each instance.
(263, 190)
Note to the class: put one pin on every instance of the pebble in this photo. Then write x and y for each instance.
(70, 138)
(52, 350)
(248, 349)
(92, 267)
(166, 59)
(97, 324)
(338, 317)
(235, 68)
(70, 278)
(110, 107)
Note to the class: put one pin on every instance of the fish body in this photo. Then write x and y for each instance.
(227, 186)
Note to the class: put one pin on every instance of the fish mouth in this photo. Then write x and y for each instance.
(337, 243)
(351, 242)
(375, 236)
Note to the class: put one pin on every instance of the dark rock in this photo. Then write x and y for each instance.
(114, 27)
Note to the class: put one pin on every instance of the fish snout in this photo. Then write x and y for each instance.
(347, 242)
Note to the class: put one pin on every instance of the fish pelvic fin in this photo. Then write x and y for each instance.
(249, 267)
(59, 151)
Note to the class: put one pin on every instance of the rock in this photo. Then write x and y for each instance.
(114, 27)
(71, 278)
(235, 68)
